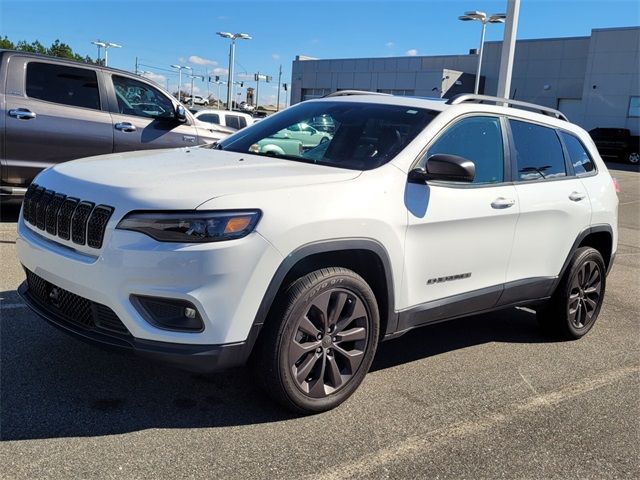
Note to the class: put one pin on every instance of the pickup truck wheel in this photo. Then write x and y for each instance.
(634, 158)
(318, 346)
(575, 305)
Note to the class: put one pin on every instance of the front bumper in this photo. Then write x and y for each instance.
(225, 281)
(195, 358)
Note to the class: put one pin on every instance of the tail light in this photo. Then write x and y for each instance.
(616, 185)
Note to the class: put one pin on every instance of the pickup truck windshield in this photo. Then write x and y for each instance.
(353, 135)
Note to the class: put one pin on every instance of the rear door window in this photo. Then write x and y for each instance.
(77, 87)
(233, 121)
(580, 159)
(538, 152)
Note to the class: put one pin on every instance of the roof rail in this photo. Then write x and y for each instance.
(470, 97)
(347, 93)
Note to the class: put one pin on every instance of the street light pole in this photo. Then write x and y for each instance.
(279, 83)
(484, 19)
(232, 54)
(106, 47)
(99, 44)
(180, 68)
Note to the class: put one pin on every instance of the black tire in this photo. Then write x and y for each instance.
(307, 366)
(574, 307)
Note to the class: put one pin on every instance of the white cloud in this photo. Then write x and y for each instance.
(220, 71)
(196, 60)
(389, 44)
(182, 60)
(244, 76)
(412, 53)
(156, 77)
(275, 56)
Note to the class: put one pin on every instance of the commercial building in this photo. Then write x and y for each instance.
(594, 80)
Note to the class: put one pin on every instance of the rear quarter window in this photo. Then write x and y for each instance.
(580, 159)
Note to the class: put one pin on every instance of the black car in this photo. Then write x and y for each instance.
(617, 144)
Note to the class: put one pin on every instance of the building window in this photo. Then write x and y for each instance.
(634, 107)
(398, 92)
(311, 93)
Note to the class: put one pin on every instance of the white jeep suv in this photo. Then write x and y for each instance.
(414, 211)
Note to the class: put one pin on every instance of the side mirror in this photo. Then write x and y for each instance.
(445, 167)
(180, 114)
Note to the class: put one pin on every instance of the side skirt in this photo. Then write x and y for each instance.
(520, 292)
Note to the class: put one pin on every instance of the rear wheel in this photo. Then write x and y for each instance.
(634, 158)
(318, 346)
(576, 303)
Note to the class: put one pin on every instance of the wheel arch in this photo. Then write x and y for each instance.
(367, 257)
(599, 237)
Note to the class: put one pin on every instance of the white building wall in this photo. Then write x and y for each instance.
(551, 72)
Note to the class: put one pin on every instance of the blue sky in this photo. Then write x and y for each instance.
(163, 32)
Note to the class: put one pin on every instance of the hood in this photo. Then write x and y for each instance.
(179, 178)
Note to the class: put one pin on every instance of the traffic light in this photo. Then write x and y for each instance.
(285, 86)
(217, 78)
(241, 84)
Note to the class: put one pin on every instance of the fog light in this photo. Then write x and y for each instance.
(169, 313)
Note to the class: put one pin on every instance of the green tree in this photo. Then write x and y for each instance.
(6, 43)
(57, 49)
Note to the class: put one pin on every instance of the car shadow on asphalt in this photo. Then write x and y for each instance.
(52, 385)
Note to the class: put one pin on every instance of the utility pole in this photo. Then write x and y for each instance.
(257, 89)
(136, 65)
(508, 48)
(279, 83)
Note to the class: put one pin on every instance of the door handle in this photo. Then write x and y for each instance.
(577, 196)
(22, 114)
(502, 202)
(125, 127)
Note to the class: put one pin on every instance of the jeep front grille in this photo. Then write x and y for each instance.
(66, 217)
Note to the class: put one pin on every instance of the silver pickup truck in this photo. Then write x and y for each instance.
(53, 110)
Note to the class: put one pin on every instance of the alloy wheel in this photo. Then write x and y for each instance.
(634, 157)
(329, 342)
(585, 294)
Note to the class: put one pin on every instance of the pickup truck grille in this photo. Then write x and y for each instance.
(66, 217)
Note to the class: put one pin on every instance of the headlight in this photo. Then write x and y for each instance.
(192, 227)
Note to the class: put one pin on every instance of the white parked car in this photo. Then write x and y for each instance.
(197, 100)
(414, 212)
(231, 119)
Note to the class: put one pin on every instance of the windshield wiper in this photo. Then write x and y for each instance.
(539, 171)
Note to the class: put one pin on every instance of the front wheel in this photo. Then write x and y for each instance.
(317, 347)
(634, 158)
(575, 305)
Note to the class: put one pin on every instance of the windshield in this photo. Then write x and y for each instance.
(353, 135)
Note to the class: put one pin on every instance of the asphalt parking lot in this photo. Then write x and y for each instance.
(482, 397)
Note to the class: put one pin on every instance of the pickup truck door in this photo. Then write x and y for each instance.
(143, 117)
(54, 112)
